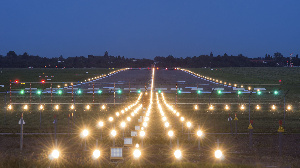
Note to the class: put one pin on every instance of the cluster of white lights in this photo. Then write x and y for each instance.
(170, 132)
(111, 119)
(128, 119)
(129, 107)
(182, 119)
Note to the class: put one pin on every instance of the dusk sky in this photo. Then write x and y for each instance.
(145, 29)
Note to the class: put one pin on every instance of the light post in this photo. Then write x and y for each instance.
(199, 134)
(101, 124)
(182, 119)
(177, 154)
(142, 135)
(25, 108)
(171, 134)
(123, 124)
(250, 101)
(113, 134)
(110, 119)
(189, 124)
(55, 123)
(284, 107)
(41, 109)
(84, 134)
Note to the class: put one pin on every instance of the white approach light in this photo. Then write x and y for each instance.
(177, 154)
(136, 153)
(55, 154)
(96, 154)
(218, 154)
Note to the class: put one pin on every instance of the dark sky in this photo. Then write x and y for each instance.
(148, 28)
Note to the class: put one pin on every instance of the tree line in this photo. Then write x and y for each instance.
(12, 60)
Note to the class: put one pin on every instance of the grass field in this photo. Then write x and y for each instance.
(256, 76)
(60, 75)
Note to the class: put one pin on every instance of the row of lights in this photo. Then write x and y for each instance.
(129, 107)
(242, 107)
(56, 107)
(188, 124)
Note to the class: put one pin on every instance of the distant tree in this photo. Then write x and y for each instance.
(106, 54)
(11, 54)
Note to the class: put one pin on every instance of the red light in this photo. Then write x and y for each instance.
(279, 80)
(166, 68)
(43, 81)
(16, 81)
